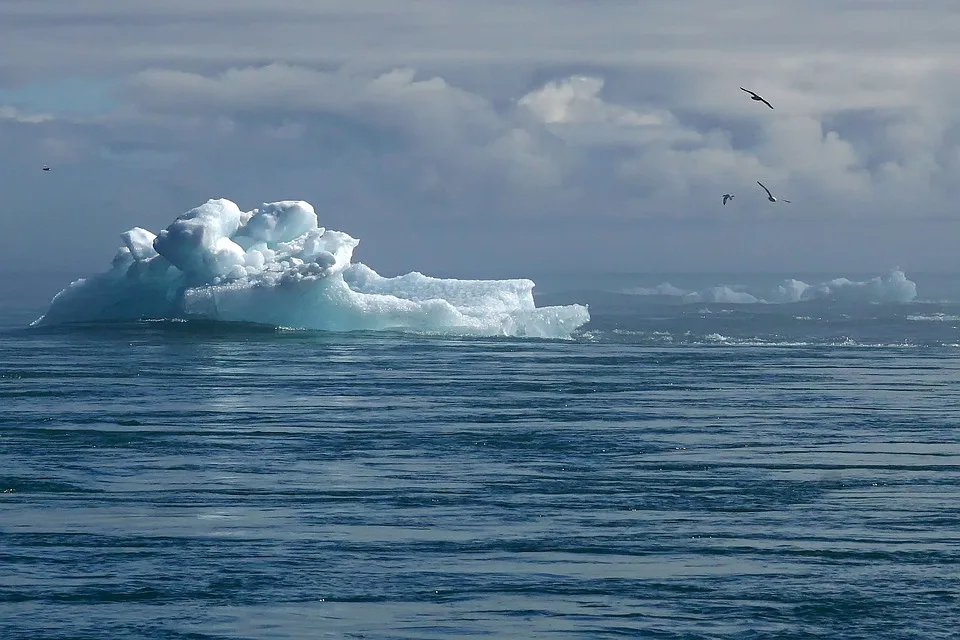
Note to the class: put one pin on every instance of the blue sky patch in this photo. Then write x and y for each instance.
(83, 96)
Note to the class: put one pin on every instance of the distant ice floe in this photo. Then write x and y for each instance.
(935, 317)
(274, 265)
(891, 287)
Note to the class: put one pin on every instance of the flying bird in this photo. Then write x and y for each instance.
(770, 195)
(726, 197)
(46, 168)
(757, 97)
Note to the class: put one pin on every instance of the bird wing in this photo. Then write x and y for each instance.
(765, 189)
(757, 96)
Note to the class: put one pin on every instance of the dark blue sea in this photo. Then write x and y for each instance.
(686, 466)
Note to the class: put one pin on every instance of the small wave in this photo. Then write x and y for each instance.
(716, 339)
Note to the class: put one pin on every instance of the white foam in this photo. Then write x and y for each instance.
(274, 265)
(890, 287)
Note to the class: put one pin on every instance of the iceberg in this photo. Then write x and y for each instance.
(276, 266)
(892, 287)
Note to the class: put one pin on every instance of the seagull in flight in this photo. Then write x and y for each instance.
(726, 197)
(756, 97)
(46, 168)
(770, 195)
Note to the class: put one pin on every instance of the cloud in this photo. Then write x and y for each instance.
(699, 34)
(445, 142)
(577, 100)
(526, 118)
(428, 136)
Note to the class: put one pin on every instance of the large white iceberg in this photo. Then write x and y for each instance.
(275, 265)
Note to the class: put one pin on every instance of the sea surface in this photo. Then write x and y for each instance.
(677, 469)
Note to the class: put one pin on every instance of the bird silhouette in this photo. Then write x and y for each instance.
(770, 195)
(757, 97)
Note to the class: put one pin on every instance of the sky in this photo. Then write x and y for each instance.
(493, 139)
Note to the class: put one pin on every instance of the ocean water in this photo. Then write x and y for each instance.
(676, 470)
